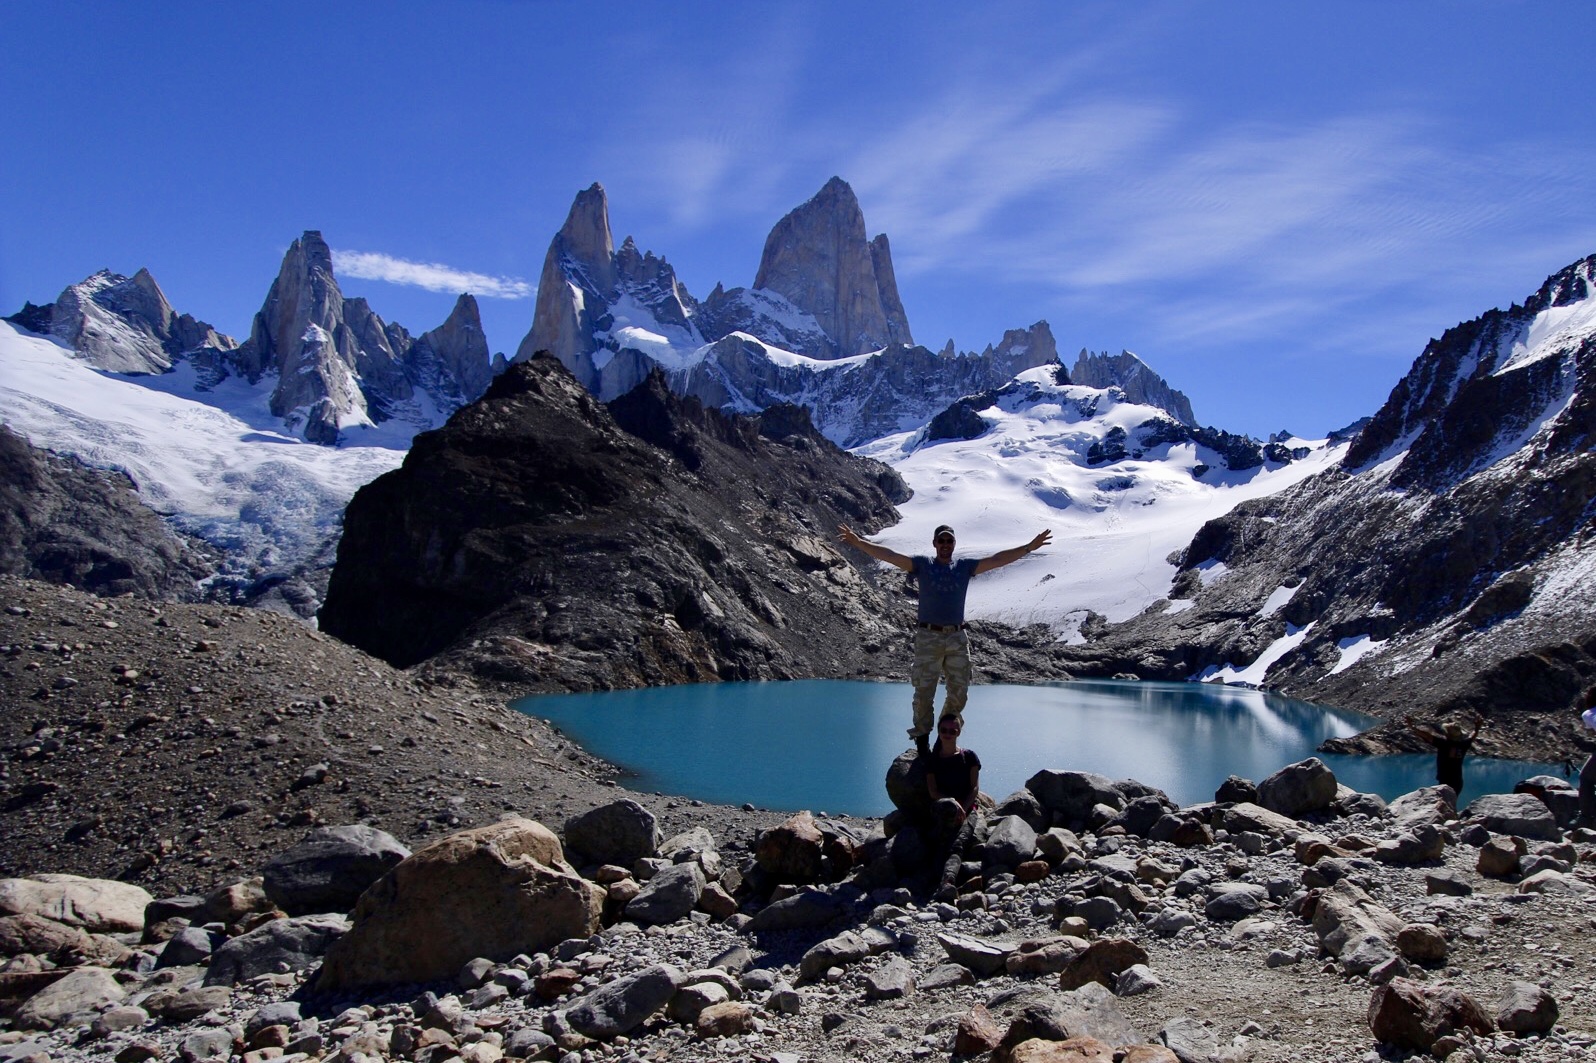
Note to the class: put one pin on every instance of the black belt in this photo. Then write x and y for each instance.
(940, 627)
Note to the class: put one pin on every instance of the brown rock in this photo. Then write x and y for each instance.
(1046, 956)
(1422, 943)
(1411, 1015)
(1031, 871)
(1192, 834)
(717, 902)
(232, 903)
(793, 851)
(491, 892)
(1075, 1050)
(623, 892)
(976, 1032)
(551, 985)
(1499, 857)
(93, 904)
(38, 936)
(1149, 1054)
(732, 1018)
(1101, 962)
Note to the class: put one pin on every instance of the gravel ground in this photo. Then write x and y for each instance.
(173, 745)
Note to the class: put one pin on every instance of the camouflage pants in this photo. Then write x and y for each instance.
(943, 655)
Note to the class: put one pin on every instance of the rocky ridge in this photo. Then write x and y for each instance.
(125, 325)
(338, 364)
(818, 258)
(63, 522)
(1135, 378)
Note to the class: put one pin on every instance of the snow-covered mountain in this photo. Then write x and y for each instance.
(332, 368)
(823, 326)
(1445, 562)
(216, 433)
(222, 470)
(1122, 485)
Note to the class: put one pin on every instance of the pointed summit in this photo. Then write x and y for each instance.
(604, 313)
(585, 240)
(819, 259)
(453, 359)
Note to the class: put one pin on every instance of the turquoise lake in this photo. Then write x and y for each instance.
(825, 745)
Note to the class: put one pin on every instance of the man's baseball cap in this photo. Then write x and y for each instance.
(942, 529)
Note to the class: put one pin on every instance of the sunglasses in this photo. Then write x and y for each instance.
(943, 539)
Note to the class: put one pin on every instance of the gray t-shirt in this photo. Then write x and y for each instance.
(942, 588)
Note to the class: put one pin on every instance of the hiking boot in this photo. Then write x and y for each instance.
(922, 745)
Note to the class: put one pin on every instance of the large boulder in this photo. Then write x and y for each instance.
(1526, 1008)
(1243, 817)
(1297, 789)
(1413, 1016)
(621, 1006)
(93, 904)
(38, 936)
(1429, 806)
(72, 1001)
(1071, 795)
(1521, 815)
(906, 787)
(803, 910)
(1101, 962)
(1089, 1011)
(621, 832)
(271, 948)
(331, 868)
(490, 892)
(669, 895)
(1009, 843)
(793, 851)
(1355, 928)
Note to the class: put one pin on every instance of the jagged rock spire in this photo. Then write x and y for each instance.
(819, 259)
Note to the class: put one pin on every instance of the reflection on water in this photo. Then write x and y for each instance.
(826, 744)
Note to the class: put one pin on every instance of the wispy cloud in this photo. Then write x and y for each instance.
(433, 276)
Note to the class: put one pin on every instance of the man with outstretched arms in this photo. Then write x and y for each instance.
(941, 646)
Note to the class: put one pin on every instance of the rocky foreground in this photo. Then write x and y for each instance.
(484, 892)
(1228, 932)
(178, 755)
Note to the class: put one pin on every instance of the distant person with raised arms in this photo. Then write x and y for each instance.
(941, 647)
(1451, 747)
(1587, 774)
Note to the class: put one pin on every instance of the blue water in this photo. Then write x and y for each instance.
(825, 745)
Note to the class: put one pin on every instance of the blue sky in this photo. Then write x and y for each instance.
(1275, 205)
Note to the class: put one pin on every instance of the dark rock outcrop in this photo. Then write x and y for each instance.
(63, 522)
(537, 538)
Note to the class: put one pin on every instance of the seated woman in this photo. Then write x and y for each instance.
(953, 776)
